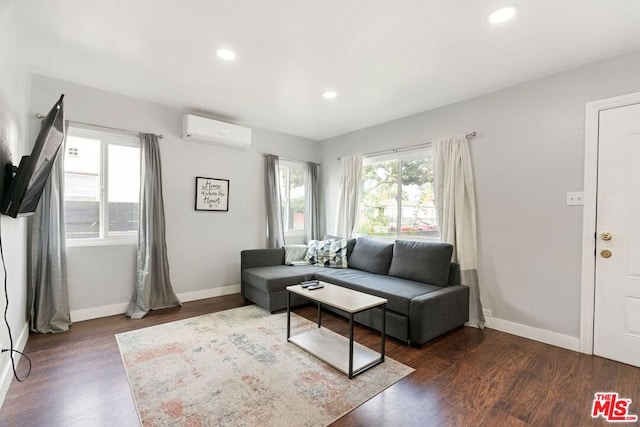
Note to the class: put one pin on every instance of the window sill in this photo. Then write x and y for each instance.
(431, 239)
(79, 243)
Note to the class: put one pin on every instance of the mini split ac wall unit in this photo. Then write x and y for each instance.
(202, 129)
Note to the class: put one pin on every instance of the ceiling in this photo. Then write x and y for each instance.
(386, 59)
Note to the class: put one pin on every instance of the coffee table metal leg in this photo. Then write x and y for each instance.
(350, 345)
(384, 331)
(288, 315)
(319, 315)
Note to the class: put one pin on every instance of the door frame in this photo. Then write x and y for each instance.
(587, 300)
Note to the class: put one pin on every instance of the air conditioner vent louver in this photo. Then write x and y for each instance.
(202, 129)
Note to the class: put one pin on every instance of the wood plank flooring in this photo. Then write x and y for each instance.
(468, 377)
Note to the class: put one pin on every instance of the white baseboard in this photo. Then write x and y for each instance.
(209, 293)
(525, 331)
(6, 371)
(96, 312)
(120, 308)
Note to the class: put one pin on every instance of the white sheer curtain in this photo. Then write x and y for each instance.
(456, 209)
(312, 203)
(273, 203)
(348, 196)
(153, 288)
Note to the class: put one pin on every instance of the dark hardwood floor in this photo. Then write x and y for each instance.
(468, 377)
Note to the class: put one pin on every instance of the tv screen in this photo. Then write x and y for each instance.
(25, 188)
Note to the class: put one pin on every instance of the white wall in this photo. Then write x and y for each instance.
(529, 152)
(14, 99)
(204, 247)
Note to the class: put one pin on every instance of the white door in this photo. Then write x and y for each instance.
(617, 291)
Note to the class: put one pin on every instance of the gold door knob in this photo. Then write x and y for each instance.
(606, 236)
(606, 253)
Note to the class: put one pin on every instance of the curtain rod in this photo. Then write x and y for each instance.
(293, 160)
(40, 116)
(411, 147)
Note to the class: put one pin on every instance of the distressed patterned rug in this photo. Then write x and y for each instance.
(235, 368)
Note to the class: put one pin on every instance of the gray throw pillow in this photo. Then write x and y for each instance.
(371, 255)
(421, 261)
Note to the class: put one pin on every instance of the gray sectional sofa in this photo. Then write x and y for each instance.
(421, 284)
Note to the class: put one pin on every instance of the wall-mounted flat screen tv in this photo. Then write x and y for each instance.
(23, 190)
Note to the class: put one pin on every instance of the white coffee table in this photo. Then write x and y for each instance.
(329, 346)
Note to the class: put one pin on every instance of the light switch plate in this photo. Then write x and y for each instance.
(575, 198)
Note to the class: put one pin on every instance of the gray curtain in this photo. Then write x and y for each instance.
(275, 227)
(348, 196)
(47, 293)
(153, 282)
(455, 203)
(312, 204)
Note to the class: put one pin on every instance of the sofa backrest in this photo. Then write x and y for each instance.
(454, 275)
(253, 258)
(424, 262)
(371, 255)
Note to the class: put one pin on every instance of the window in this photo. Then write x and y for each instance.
(397, 196)
(293, 176)
(102, 187)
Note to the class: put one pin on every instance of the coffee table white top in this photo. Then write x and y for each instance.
(341, 298)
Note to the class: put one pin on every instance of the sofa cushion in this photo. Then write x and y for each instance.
(278, 277)
(371, 255)
(351, 243)
(421, 261)
(398, 292)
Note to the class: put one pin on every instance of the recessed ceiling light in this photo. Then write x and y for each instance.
(226, 54)
(503, 14)
(329, 94)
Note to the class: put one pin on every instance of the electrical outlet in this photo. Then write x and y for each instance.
(575, 198)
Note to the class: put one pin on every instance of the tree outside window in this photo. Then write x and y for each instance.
(292, 193)
(398, 197)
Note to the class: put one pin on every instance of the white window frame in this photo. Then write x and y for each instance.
(292, 235)
(107, 138)
(400, 155)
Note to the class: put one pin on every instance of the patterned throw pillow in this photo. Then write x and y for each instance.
(327, 253)
(312, 251)
(332, 253)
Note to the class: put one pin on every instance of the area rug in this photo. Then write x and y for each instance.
(236, 368)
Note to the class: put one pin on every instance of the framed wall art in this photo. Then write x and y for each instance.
(212, 194)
